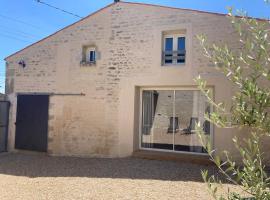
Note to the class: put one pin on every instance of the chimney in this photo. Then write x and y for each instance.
(115, 1)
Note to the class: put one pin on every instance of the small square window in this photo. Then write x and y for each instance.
(174, 49)
(89, 55)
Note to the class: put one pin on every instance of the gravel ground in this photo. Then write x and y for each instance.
(28, 176)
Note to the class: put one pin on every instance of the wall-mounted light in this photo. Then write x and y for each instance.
(22, 63)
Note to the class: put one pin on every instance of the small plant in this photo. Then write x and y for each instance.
(249, 72)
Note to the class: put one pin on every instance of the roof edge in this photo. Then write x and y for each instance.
(86, 17)
(188, 9)
(125, 2)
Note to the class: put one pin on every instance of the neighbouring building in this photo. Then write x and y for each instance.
(118, 81)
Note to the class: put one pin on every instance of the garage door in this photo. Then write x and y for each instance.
(32, 122)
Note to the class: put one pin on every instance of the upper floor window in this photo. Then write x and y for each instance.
(174, 49)
(89, 55)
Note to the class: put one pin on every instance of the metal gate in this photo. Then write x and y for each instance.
(32, 122)
(4, 115)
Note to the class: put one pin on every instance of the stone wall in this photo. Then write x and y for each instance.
(128, 37)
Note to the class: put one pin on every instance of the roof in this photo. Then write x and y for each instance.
(131, 3)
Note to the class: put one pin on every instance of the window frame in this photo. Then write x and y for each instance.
(212, 129)
(175, 48)
(86, 51)
(88, 55)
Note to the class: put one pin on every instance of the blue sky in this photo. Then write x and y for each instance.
(23, 22)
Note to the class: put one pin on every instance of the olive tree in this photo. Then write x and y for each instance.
(248, 69)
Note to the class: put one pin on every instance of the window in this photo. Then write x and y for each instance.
(168, 50)
(92, 56)
(89, 56)
(169, 118)
(181, 48)
(174, 51)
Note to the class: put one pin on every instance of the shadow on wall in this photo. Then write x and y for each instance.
(19, 164)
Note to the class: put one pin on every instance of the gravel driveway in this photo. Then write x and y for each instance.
(24, 176)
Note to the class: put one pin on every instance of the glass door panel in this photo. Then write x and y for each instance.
(158, 122)
(190, 107)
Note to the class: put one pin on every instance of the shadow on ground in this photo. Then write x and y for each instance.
(20, 164)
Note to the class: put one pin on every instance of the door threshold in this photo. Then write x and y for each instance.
(29, 152)
(172, 156)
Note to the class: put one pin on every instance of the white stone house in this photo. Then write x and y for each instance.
(118, 81)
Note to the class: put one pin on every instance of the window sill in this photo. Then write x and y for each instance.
(87, 64)
(174, 65)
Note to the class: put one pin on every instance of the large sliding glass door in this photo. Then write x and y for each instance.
(169, 118)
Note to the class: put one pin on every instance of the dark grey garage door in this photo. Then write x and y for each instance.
(32, 122)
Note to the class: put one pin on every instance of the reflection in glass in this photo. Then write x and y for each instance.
(190, 107)
(168, 50)
(181, 48)
(157, 127)
(169, 118)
